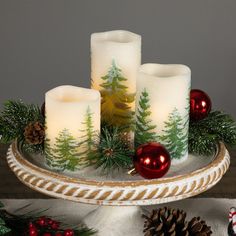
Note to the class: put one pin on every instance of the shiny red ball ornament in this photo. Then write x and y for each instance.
(152, 160)
(47, 234)
(69, 232)
(200, 104)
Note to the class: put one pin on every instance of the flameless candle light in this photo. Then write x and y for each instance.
(115, 59)
(162, 107)
(72, 117)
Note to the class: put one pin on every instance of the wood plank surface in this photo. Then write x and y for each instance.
(12, 188)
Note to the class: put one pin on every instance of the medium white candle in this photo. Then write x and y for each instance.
(162, 107)
(115, 59)
(72, 117)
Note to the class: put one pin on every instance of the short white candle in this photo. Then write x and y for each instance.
(71, 114)
(116, 54)
(162, 107)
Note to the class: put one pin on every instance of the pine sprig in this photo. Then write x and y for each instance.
(14, 117)
(205, 134)
(112, 152)
(84, 232)
(3, 228)
(18, 224)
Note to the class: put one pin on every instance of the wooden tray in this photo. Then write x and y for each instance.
(190, 178)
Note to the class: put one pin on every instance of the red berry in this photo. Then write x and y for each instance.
(50, 221)
(31, 226)
(55, 225)
(47, 234)
(42, 221)
(58, 234)
(33, 232)
(69, 232)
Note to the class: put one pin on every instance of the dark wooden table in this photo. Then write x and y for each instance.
(11, 187)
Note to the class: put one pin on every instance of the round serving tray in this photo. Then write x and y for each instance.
(184, 180)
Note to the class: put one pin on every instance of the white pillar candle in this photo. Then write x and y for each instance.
(162, 107)
(115, 59)
(72, 117)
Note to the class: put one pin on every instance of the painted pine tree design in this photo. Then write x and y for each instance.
(89, 139)
(50, 159)
(144, 128)
(48, 152)
(116, 101)
(174, 137)
(66, 151)
(186, 120)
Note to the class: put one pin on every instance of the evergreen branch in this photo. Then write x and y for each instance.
(14, 117)
(19, 224)
(112, 151)
(206, 133)
(84, 231)
(3, 228)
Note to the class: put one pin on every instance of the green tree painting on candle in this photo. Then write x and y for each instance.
(90, 138)
(50, 159)
(116, 101)
(175, 136)
(144, 131)
(65, 151)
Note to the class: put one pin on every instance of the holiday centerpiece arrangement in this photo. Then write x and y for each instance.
(137, 121)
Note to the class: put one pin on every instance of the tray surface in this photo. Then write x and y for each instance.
(190, 178)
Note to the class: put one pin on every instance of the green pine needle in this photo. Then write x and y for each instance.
(205, 134)
(84, 232)
(112, 151)
(14, 117)
(18, 224)
(3, 228)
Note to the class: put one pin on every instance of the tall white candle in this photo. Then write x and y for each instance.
(115, 59)
(162, 107)
(72, 120)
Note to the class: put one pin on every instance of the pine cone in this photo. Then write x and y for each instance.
(198, 227)
(34, 133)
(171, 222)
(165, 222)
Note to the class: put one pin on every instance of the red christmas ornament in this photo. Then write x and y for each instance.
(152, 160)
(47, 234)
(200, 104)
(69, 232)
